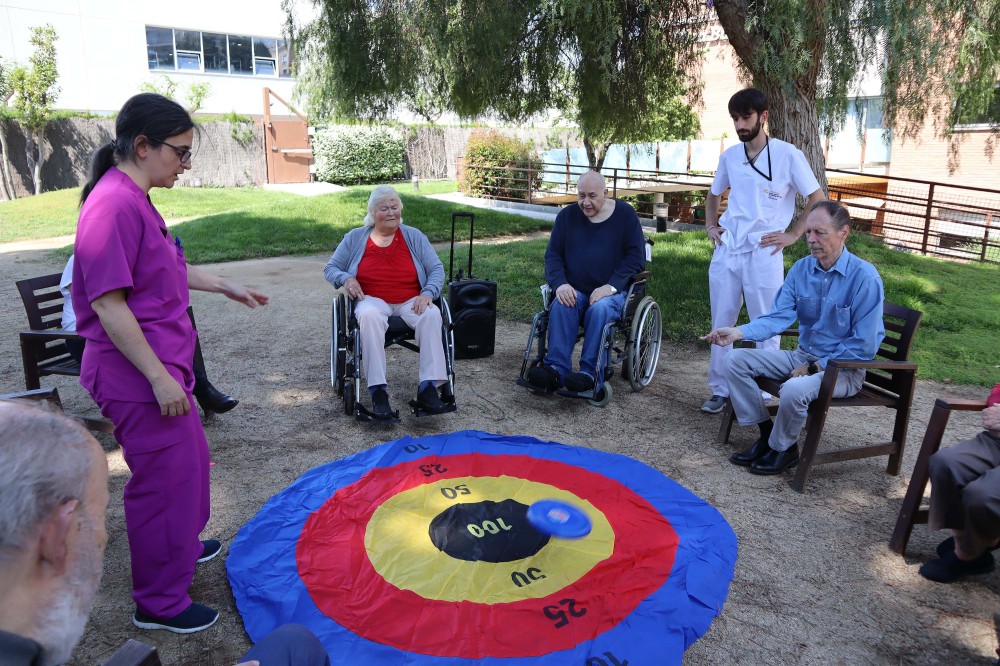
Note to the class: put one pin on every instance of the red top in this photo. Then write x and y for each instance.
(994, 396)
(388, 272)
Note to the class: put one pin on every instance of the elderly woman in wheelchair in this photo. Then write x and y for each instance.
(593, 257)
(389, 270)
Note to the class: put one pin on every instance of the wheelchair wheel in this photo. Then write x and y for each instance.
(338, 344)
(645, 340)
(349, 397)
(602, 396)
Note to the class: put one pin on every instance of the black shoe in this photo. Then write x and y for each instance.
(949, 568)
(948, 546)
(775, 462)
(579, 382)
(212, 399)
(380, 403)
(543, 377)
(209, 549)
(195, 618)
(430, 400)
(756, 451)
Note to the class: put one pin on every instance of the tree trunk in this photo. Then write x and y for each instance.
(6, 182)
(33, 154)
(595, 154)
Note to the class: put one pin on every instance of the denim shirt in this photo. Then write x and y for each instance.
(839, 310)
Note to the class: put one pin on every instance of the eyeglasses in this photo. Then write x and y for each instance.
(182, 154)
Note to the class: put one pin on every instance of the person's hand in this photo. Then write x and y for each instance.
(421, 303)
(800, 371)
(714, 232)
(566, 295)
(601, 292)
(249, 663)
(248, 297)
(723, 336)
(353, 289)
(170, 396)
(778, 240)
(991, 418)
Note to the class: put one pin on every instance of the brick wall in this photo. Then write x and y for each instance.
(926, 158)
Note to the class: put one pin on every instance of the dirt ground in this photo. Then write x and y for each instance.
(815, 581)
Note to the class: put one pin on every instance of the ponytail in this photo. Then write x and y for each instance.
(102, 160)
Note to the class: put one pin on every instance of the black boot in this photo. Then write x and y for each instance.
(210, 398)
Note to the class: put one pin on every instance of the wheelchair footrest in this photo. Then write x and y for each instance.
(420, 409)
(367, 416)
(537, 390)
(582, 395)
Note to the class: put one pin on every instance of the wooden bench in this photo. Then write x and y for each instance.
(890, 380)
(43, 345)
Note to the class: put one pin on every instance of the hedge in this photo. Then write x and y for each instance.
(358, 154)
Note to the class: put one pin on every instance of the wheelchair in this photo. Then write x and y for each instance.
(346, 354)
(634, 340)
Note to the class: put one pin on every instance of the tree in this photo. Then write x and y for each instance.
(618, 70)
(6, 92)
(166, 86)
(938, 60)
(35, 93)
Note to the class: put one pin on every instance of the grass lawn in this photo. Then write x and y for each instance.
(957, 339)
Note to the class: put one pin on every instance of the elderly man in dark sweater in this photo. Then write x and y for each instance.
(595, 248)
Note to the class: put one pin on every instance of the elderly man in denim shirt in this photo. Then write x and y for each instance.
(837, 299)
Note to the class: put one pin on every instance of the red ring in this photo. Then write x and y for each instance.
(334, 566)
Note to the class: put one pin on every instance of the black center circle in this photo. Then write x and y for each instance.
(486, 531)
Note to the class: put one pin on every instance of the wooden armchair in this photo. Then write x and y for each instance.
(43, 345)
(51, 395)
(890, 379)
(911, 513)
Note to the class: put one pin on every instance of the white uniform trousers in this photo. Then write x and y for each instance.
(373, 318)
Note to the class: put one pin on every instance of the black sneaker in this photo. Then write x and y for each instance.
(380, 403)
(579, 382)
(209, 549)
(430, 399)
(949, 568)
(543, 377)
(195, 618)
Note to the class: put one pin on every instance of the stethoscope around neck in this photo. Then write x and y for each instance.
(753, 162)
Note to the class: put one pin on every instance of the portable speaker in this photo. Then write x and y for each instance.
(473, 306)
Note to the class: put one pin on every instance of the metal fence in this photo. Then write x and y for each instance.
(937, 219)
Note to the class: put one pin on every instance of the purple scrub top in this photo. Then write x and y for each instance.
(123, 243)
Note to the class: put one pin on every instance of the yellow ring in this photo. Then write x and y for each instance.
(401, 551)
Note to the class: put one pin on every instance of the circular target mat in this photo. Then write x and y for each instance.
(419, 551)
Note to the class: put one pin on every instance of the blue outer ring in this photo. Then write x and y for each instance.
(264, 576)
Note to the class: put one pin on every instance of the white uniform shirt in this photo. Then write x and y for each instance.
(758, 206)
(68, 316)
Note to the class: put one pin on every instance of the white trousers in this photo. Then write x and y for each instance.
(373, 319)
(755, 276)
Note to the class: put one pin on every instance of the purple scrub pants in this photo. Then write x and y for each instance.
(166, 500)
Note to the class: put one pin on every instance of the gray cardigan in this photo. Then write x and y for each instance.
(344, 262)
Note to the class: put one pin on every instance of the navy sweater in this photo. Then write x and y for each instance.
(589, 255)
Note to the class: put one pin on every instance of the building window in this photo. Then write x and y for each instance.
(217, 53)
(160, 48)
(985, 120)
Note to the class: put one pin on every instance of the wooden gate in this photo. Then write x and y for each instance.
(286, 144)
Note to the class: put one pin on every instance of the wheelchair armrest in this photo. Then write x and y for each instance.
(641, 276)
(45, 336)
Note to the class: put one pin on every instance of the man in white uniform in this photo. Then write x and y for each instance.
(762, 175)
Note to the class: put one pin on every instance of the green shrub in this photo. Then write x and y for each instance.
(500, 166)
(358, 154)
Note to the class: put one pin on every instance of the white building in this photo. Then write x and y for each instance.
(108, 48)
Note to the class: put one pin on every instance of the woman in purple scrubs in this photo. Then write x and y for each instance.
(130, 293)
